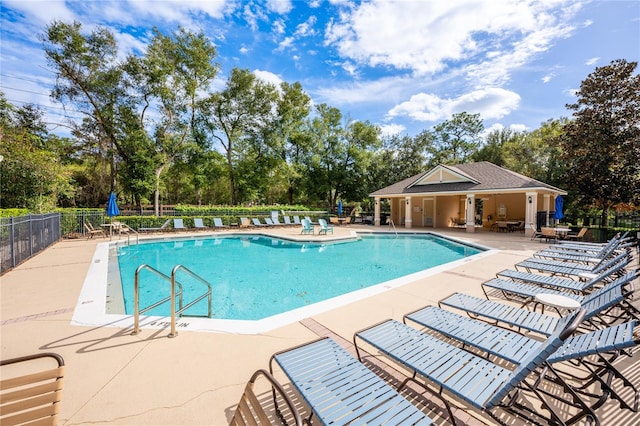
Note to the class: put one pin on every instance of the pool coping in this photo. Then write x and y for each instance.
(95, 302)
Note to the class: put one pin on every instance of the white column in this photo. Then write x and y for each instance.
(407, 212)
(546, 205)
(471, 212)
(376, 212)
(531, 200)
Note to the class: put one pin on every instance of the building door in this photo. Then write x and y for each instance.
(429, 212)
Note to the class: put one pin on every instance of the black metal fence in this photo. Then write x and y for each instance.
(24, 236)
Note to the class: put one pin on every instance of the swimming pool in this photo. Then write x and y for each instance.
(254, 277)
(102, 300)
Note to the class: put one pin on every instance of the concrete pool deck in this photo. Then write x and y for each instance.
(197, 378)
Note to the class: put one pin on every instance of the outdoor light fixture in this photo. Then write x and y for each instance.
(407, 202)
(469, 200)
(530, 199)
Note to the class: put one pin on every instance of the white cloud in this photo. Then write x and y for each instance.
(287, 42)
(244, 50)
(42, 11)
(268, 77)
(427, 37)
(592, 61)
(491, 103)
(306, 29)
(387, 130)
(390, 89)
(518, 127)
(278, 26)
(279, 6)
(547, 78)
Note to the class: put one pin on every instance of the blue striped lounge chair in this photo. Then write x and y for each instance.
(458, 374)
(340, 390)
(515, 347)
(178, 225)
(569, 268)
(587, 282)
(218, 224)
(599, 304)
(256, 222)
(199, 224)
(524, 286)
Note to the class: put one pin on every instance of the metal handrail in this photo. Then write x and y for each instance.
(393, 225)
(196, 300)
(129, 235)
(136, 296)
(172, 298)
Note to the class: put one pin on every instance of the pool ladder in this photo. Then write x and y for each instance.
(171, 298)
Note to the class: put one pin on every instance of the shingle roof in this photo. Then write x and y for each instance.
(489, 177)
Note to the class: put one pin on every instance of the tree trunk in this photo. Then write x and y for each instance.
(156, 192)
(604, 222)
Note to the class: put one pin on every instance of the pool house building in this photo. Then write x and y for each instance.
(470, 196)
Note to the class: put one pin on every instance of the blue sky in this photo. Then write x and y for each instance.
(403, 65)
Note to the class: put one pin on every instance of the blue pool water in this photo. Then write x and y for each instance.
(255, 277)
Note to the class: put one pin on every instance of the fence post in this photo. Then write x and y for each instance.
(30, 235)
(12, 243)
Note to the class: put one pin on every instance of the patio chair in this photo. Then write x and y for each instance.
(527, 293)
(91, 231)
(576, 236)
(324, 228)
(217, 223)
(588, 246)
(296, 220)
(515, 347)
(536, 233)
(473, 379)
(269, 222)
(565, 284)
(164, 227)
(31, 390)
(549, 234)
(340, 390)
(556, 267)
(562, 252)
(287, 220)
(244, 222)
(605, 306)
(276, 221)
(178, 225)
(199, 224)
(249, 410)
(256, 222)
(307, 227)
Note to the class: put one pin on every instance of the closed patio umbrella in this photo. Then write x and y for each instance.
(340, 208)
(559, 205)
(112, 210)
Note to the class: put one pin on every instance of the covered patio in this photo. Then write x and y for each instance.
(473, 195)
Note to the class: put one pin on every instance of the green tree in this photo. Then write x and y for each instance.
(294, 106)
(89, 77)
(31, 175)
(455, 140)
(601, 145)
(171, 76)
(237, 118)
